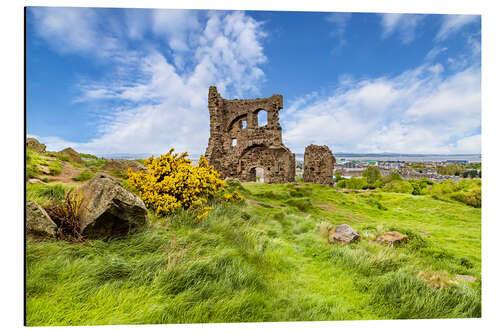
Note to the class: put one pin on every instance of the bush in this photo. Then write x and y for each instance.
(467, 191)
(420, 186)
(355, 183)
(65, 216)
(398, 186)
(172, 182)
(471, 197)
(84, 175)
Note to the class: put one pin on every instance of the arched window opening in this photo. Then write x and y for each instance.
(262, 118)
(243, 124)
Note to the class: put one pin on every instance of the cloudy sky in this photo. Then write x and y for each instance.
(136, 81)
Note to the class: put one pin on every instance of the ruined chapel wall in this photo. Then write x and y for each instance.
(319, 164)
(256, 146)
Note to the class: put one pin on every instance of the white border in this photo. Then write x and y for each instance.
(11, 85)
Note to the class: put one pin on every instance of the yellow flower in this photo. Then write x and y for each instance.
(171, 182)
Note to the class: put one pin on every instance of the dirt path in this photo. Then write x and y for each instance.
(66, 176)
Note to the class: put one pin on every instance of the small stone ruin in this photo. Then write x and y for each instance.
(240, 147)
(318, 165)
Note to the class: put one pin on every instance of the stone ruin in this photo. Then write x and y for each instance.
(318, 165)
(239, 148)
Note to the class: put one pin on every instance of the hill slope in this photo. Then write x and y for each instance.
(267, 260)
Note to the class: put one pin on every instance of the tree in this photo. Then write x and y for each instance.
(372, 174)
(338, 176)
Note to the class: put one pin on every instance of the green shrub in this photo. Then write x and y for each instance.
(355, 183)
(467, 191)
(471, 197)
(83, 176)
(420, 186)
(398, 186)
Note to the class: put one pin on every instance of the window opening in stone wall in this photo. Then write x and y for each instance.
(243, 124)
(262, 118)
(234, 142)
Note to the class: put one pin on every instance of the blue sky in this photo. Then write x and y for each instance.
(136, 81)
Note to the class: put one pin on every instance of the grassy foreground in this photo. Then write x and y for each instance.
(267, 260)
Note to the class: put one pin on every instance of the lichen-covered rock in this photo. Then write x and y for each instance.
(343, 234)
(38, 222)
(108, 209)
(239, 147)
(319, 163)
(35, 145)
(391, 238)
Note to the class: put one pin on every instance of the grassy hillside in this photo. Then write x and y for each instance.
(266, 260)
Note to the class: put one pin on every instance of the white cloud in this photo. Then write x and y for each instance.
(163, 105)
(339, 20)
(75, 30)
(419, 111)
(453, 23)
(402, 24)
(470, 144)
(434, 52)
(175, 26)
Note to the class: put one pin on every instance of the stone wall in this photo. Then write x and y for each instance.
(238, 146)
(319, 163)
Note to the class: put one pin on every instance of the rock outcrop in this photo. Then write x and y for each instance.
(318, 165)
(343, 234)
(108, 209)
(73, 155)
(38, 222)
(239, 147)
(35, 145)
(391, 238)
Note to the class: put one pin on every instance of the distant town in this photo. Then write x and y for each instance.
(434, 170)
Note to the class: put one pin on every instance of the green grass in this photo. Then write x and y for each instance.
(34, 162)
(266, 260)
(55, 168)
(95, 164)
(83, 176)
(45, 194)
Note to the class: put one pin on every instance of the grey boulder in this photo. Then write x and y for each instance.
(38, 222)
(107, 209)
(343, 234)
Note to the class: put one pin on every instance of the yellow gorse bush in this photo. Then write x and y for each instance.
(173, 182)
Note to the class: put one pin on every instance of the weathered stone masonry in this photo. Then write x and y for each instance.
(238, 146)
(318, 164)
